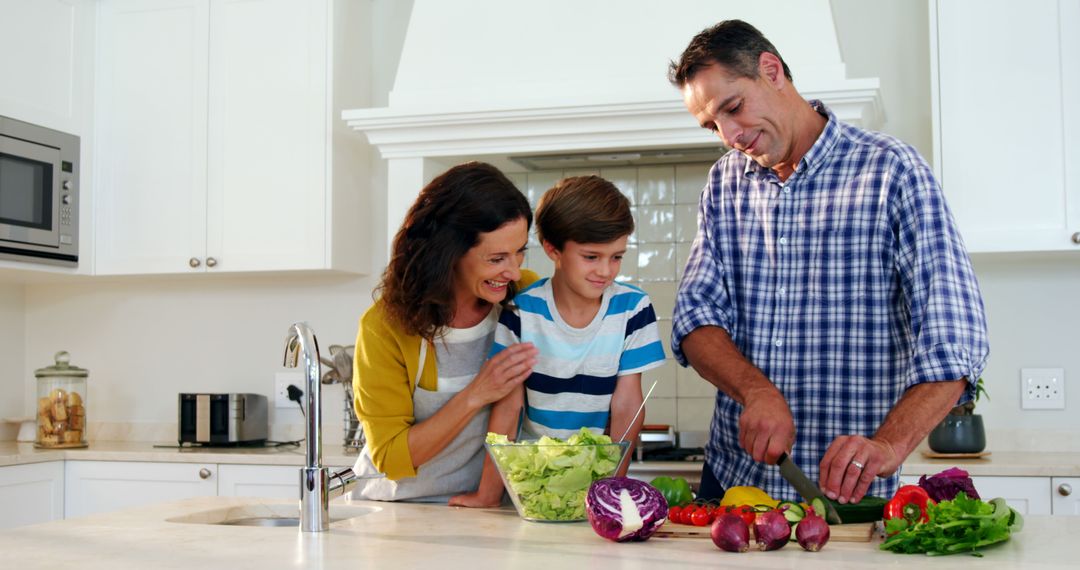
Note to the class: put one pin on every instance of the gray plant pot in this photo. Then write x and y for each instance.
(958, 434)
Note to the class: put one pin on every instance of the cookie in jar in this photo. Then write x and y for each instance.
(61, 404)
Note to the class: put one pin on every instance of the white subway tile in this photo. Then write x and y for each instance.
(656, 262)
(660, 410)
(655, 224)
(665, 377)
(656, 185)
(695, 414)
(690, 179)
(692, 385)
(685, 222)
(662, 294)
(625, 179)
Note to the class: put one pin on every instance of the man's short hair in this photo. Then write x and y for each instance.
(733, 44)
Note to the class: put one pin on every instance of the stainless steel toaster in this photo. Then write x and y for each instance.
(223, 419)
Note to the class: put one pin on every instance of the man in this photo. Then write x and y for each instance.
(828, 294)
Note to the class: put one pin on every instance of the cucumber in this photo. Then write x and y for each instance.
(793, 512)
(869, 509)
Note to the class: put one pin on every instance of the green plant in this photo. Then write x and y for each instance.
(968, 408)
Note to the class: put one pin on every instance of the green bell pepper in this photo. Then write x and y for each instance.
(674, 489)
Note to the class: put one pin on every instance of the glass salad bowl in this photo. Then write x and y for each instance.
(547, 479)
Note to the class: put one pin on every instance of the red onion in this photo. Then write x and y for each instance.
(731, 533)
(812, 532)
(772, 530)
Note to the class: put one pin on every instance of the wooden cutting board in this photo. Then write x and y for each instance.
(854, 532)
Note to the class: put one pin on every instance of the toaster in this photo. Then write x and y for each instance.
(223, 419)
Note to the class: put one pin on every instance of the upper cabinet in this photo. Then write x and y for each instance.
(1006, 109)
(219, 142)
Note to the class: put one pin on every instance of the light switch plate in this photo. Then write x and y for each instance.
(1042, 388)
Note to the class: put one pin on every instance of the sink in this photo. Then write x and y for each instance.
(267, 515)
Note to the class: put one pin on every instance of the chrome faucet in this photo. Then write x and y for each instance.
(317, 483)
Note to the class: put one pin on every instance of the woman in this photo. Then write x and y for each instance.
(422, 387)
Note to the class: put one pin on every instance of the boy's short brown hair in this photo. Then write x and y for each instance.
(583, 209)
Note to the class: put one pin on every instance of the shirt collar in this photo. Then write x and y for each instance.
(813, 157)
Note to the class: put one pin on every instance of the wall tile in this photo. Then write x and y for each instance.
(655, 224)
(538, 183)
(695, 414)
(656, 185)
(665, 377)
(682, 253)
(656, 262)
(538, 261)
(662, 294)
(685, 222)
(628, 273)
(661, 410)
(625, 179)
(692, 385)
(664, 324)
(690, 179)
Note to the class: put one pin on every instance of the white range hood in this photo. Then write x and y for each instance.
(491, 79)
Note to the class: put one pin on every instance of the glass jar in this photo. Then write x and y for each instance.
(61, 404)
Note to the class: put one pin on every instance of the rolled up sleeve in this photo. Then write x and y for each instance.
(947, 316)
(702, 299)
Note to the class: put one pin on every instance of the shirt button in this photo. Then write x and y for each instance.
(779, 342)
(787, 189)
(782, 291)
(783, 241)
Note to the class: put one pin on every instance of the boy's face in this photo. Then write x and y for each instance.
(587, 268)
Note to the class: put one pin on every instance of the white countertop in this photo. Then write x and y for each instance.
(400, 535)
(998, 463)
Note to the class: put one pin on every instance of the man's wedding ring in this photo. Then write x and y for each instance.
(857, 464)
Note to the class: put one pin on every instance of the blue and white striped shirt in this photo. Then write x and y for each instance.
(846, 285)
(577, 368)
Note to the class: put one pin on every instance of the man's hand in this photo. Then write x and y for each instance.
(851, 463)
(766, 427)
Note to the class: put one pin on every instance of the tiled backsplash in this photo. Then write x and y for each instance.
(664, 200)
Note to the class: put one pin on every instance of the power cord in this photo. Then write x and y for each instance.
(295, 394)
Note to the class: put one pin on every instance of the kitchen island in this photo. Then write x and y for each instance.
(400, 535)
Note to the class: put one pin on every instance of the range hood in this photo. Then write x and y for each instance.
(539, 82)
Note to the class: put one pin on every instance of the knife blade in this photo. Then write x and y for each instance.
(805, 487)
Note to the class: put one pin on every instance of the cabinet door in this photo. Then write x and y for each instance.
(31, 494)
(1007, 140)
(101, 486)
(268, 138)
(150, 185)
(1029, 495)
(1066, 492)
(278, 481)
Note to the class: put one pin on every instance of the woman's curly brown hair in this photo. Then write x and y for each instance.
(443, 224)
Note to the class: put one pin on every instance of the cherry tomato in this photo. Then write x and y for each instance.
(674, 513)
(700, 517)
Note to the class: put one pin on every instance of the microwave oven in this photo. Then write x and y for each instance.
(39, 194)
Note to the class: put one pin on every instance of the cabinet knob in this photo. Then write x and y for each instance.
(204, 473)
(211, 262)
(194, 262)
(1076, 238)
(1064, 489)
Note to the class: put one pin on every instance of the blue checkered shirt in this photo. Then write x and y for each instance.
(846, 285)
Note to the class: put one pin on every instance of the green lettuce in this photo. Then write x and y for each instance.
(961, 525)
(550, 477)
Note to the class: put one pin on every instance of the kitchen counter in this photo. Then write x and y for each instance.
(998, 463)
(434, 536)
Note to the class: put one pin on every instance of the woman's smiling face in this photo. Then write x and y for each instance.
(484, 272)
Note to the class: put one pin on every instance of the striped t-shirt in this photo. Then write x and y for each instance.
(577, 368)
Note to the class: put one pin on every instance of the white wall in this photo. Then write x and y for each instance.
(12, 322)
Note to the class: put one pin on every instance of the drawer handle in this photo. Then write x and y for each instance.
(1064, 489)
(211, 262)
(204, 473)
(1076, 238)
(194, 262)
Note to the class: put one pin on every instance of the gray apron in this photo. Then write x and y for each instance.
(455, 470)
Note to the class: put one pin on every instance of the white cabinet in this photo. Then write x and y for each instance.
(1066, 492)
(32, 493)
(219, 142)
(1006, 110)
(102, 486)
(46, 67)
(278, 481)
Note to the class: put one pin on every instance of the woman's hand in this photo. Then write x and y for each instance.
(502, 373)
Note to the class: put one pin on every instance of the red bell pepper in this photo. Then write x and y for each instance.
(909, 503)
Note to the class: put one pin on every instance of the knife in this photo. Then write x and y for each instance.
(805, 487)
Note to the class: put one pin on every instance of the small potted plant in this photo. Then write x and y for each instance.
(962, 430)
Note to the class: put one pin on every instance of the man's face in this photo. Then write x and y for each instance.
(746, 113)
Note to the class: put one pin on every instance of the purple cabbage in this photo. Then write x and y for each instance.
(946, 485)
(624, 509)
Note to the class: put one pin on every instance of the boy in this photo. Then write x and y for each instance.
(595, 335)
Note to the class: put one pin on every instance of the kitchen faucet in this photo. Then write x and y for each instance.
(317, 483)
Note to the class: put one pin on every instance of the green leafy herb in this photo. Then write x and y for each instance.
(551, 477)
(960, 525)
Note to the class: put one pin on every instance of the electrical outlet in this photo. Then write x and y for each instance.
(281, 388)
(1042, 388)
